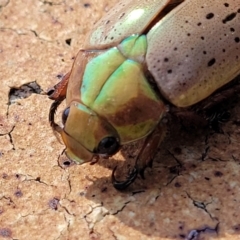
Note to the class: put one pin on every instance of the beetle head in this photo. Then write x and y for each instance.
(110, 103)
(87, 135)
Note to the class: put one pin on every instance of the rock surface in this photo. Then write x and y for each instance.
(192, 191)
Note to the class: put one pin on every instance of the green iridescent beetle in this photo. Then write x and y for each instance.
(187, 49)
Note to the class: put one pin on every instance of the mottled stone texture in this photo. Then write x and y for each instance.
(192, 190)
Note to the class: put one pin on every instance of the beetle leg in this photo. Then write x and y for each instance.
(149, 149)
(94, 160)
(211, 112)
(216, 118)
(215, 108)
(121, 185)
(51, 115)
(144, 158)
(58, 92)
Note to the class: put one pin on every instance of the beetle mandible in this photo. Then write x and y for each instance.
(189, 48)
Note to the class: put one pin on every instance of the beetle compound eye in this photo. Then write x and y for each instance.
(108, 145)
(65, 115)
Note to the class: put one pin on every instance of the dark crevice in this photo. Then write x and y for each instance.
(204, 155)
(113, 234)
(218, 159)
(137, 192)
(120, 210)
(201, 205)
(17, 31)
(87, 5)
(179, 164)
(24, 32)
(68, 41)
(9, 199)
(67, 211)
(10, 137)
(69, 184)
(4, 4)
(23, 91)
(171, 180)
(51, 3)
(37, 179)
(195, 234)
(37, 35)
(34, 32)
(174, 169)
(63, 161)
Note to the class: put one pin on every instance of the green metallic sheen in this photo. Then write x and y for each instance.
(114, 84)
(98, 127)
(134, 47)
(97, 71)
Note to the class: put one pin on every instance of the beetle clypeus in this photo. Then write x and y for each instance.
(189, 48)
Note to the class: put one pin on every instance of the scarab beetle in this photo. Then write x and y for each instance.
(140, 56)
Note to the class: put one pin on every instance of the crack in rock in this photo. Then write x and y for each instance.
(4, 3)
(9, 199)
(52, 3)
(201, 205)
(206, 150)
(98, 212)
(23, 91)
(174, 169)
(195, 234)
(10, 137)
(37, 179)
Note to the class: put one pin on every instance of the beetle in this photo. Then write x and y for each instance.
(140, 57)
